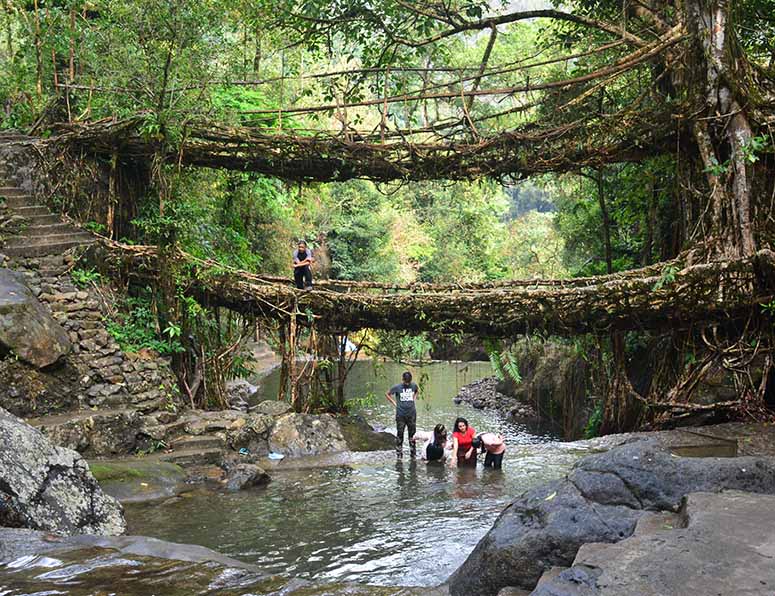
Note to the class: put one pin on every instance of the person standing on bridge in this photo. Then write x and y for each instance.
(302, 259)
(403, 396)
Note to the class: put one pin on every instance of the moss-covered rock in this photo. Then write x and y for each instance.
(139, 479)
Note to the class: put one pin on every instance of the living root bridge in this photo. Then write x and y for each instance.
(709, 292)
(327, 157)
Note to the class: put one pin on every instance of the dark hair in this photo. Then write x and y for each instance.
(458, 420)
(439, 435)
(406, 377)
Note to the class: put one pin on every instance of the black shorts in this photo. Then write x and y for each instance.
(491, 460)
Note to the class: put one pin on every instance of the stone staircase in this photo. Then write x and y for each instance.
(41, 232)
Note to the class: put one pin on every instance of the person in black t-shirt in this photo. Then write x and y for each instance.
(302, 259)
(403, 396)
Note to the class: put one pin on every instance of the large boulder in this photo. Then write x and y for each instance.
(250, 432)
(721, 544)
(242, 476)
(601, 500)
(305, 434)
(44, 487)
(26, 328)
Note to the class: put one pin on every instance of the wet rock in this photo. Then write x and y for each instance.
(601, 500)
(272, 408)
(240, 394)
(304, 434)
(723, 546)
(138, 480)
(15, 543)
(26, 328)
(360, 436)
(250, 432)
(50, 488)
(242, 476)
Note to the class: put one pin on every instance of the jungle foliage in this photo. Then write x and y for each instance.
(648, 122)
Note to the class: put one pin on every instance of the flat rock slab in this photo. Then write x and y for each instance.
(727, 548)
(139, 479)
(272, 408)
(26, 328)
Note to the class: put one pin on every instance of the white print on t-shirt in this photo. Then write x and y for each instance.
(406, 395)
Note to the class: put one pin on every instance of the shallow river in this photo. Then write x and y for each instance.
(370, 519)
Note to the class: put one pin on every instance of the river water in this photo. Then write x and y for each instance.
(366, 517)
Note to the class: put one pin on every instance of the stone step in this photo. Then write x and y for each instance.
(40, 250)
(12, 191)
(76, 416)
(165, 432)
(26, 239)
(55, 229)
(193, 442)
(32, 210)
(52, 273)
(18, 201)
(192, 457)
(42, 220)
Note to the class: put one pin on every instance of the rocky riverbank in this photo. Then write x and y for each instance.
(486, 394)
(603, 500)
(638, 517)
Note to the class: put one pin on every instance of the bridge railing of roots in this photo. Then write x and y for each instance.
(668, 296)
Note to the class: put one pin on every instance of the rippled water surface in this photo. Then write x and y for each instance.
(368, 519)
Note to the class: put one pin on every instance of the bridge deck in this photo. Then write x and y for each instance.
(656, 297)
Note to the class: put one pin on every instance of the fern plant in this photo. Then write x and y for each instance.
(503, 362)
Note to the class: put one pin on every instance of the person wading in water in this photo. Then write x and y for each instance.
(435, 446)
(302, 259)
(403, 396)
(462, 443)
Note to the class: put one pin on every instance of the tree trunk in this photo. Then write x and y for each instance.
(722, 130)
(606, 221)
(38, 53)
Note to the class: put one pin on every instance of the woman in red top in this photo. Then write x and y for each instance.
(462, 443)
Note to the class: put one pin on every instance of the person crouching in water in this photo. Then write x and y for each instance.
(435, 445)
(493, 446)
(462, 443)
(302, 259)
(403, 396)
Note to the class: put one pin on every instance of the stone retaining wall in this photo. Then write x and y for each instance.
(97, 375)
